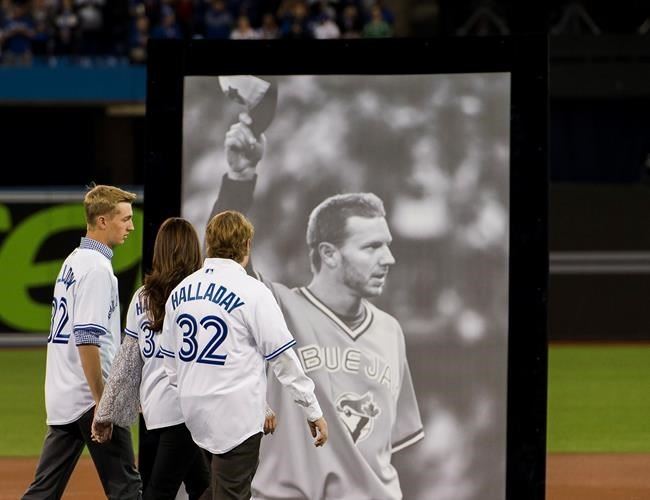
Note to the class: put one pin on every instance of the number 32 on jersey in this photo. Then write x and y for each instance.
(190, 348)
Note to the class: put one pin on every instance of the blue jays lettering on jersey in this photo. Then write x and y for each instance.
(364, 387)
(216, 294)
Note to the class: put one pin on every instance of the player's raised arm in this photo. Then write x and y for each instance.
(243, 149)
(245, 142)
(243, 152)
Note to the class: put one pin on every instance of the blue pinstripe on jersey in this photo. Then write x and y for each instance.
(130, 333)
(167, 353)
(280, 350)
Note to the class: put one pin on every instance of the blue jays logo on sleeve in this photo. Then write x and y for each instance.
(112, 308)
(357, 413)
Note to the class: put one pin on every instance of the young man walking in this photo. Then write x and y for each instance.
(84, 337)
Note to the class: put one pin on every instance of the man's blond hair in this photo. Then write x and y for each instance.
(227, 235)
(103, 200)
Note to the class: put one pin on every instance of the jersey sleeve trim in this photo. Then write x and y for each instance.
(131, 333)
(408, 441)
(92, 326)
(167, 353)
(280, 350)
(87, 337)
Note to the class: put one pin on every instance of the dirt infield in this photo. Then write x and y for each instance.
(17, 473)
(578, 476)
(570, 476)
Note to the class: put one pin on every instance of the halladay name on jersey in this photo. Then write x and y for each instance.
(141, 306)
(218, 295)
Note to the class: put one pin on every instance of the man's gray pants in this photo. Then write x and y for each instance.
(114, 461)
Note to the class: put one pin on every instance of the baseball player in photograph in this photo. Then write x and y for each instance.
(221, 329)
(84, 337)
(354, 352)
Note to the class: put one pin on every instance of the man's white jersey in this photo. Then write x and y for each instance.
(159, 399)
(85, 310)
(220, 327)
(364, 387)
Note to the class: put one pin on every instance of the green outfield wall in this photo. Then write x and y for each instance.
(37, 231)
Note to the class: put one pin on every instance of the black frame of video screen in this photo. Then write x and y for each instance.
(524, 58)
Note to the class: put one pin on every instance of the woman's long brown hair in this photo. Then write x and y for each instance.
(176, 255)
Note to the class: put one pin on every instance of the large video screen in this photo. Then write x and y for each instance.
(400, 222)
(434, 150)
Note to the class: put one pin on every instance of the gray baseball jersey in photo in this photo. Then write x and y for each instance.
(365, 390)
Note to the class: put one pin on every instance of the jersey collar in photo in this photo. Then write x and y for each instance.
(353, 333)
(211, 262)
(90, 244)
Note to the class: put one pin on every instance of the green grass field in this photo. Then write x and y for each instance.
(599, 399)
(22, 408)
(22, 405)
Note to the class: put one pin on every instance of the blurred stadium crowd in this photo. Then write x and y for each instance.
(91, 32)
(56, 31)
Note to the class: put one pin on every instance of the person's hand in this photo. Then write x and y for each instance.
(243, 149)
(318, 430)
(101, 431)
(270, 422)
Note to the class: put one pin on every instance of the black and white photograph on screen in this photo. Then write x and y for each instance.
(381, 213)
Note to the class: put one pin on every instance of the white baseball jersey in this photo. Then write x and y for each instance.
(220, 327)
(85, 310)
(159, 399)
(364, 387)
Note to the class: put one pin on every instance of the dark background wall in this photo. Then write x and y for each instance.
(67, 145)
(599, 150)
(599, 200)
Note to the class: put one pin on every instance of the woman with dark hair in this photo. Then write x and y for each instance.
(138, 379)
